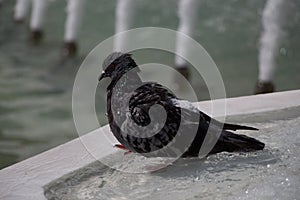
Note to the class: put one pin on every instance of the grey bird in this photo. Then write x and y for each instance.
(129, 103)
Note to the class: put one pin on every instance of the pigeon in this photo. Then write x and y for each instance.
(135, 110)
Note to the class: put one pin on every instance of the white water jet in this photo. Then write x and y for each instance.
(273, 18)
(75, 11)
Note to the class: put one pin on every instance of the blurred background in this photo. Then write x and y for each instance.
(36, 80)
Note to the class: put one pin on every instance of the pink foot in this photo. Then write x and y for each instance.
(123, 148)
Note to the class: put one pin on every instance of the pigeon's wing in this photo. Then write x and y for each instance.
(189, 107)
(143, 98)
(147, 131)
(226, 141)
(150, 94)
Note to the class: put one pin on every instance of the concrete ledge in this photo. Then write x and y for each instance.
(256, 103)
(25, 180)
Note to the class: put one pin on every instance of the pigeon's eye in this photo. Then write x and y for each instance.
(112, 66)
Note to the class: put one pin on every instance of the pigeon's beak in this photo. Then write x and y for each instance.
(103, 75)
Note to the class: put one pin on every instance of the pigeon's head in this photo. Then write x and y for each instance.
(117, 64)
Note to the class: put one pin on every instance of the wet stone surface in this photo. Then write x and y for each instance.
(273, 173)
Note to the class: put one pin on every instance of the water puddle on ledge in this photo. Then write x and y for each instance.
(273, 173)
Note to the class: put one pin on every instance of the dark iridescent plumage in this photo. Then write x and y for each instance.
(128, 117)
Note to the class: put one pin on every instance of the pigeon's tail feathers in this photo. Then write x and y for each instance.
(235, 127)
(231, 142)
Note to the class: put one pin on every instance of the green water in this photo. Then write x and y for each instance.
(36, 87)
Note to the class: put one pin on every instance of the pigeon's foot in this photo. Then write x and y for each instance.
(264, 87)
(36, 37)
(119, 146)
(69, 49)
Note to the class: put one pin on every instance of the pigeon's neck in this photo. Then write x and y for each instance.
(118, 93)
(124, 81)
